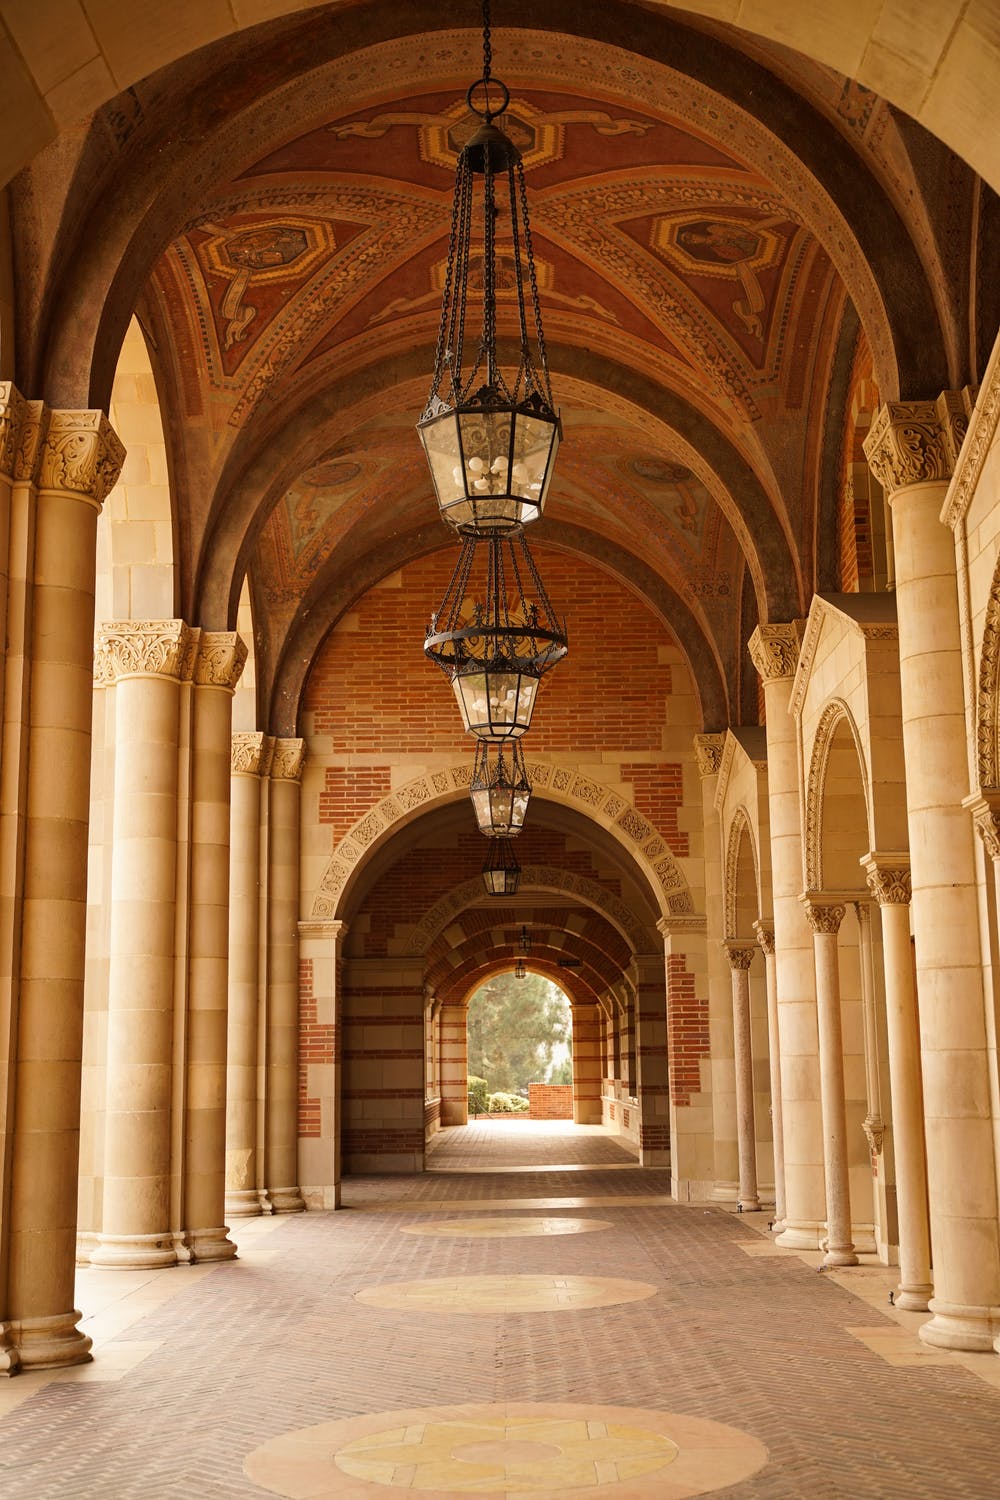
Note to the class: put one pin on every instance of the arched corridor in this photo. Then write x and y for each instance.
(534, 1283)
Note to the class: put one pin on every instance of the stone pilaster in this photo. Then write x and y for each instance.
(889, 882)
(652, 1082)
(453, 1064)
(774, 650)
(825, 917)
(142, 663)
(57, 468)
(587, 1060)
(247, 930)
(912, 448)
(740, 957)
(765, 938)
(282, 1087)
(709, 753)
(691, 1139)
(321, 946)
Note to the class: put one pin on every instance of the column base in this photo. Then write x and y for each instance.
(800, 1236)
(243, 1203)
(749, 1205)
(916, 1298)
(843, 1256)
(133, 1252)
(211, 1244)
(956, 1327)
(286, 1200)
(50, 1343)
(10, 1360)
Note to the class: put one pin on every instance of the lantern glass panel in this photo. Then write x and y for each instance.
(495, 705)
(444, 457)
(536, 440)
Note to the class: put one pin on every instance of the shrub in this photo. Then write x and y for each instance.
(507, 1104)
(479, 1091)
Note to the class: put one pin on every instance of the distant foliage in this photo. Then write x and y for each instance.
(514, 1027)
(479, 1091)
(507, 1104)
(561, 1072)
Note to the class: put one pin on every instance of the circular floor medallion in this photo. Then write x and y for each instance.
(500, 1228)
(506, 1294)
(512, 1449)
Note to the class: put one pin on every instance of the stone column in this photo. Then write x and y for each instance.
(250, 758)
(889, 883)
(708, 749)
(143, 662)
(587, 1064)
(824, 918)
(453, 1032)
(912, 449)
(652, 1083)
(775, 652)
(63, 464)
(282, 1091)
(321, 943)
(740, 956)
(218, 664)
(765, 937)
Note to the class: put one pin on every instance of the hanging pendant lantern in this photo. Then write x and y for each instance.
(520, 971)
(501, 872)
(496, 649)
(500, 789)
(490, 437)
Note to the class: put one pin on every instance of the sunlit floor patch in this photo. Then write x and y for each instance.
(499, 1294)
(512, 1449)
(499, 1228)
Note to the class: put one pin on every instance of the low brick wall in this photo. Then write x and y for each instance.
(550, 1101)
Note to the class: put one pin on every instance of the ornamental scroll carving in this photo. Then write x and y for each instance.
(765, 937)
(708, 748)
(142, 648)
(220, 658)
(986, 817)
(988, 693)
(740, 955)
(287, 759)
(824, 917)
(738, 830)
(80, 452)
(247, 754)
(913, 442)
(889, 884)
(774, 650)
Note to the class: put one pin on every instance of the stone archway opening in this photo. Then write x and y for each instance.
(519, 1047)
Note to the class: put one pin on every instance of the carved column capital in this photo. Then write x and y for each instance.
(916, 442)
(708, 749)
(219, 659)
(248, 754)
(333, 930)
(286, 763)
(888, 878)
(740, 955)
(80, 452)
(985, 809)
(141, 648)
(823, 916)
(774, 650)
(765, 936)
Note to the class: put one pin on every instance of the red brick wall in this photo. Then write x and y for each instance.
(687, 1031)
(347, 794)
(317, 1044)
(658, 792)
(550, 1101)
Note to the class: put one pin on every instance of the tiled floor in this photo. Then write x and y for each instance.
(743, 1371)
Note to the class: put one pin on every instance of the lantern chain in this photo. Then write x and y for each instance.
(533, 281)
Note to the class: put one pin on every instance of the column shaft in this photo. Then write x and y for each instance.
(725, 1130)
(825, 921)
(740, 957)
(587, 1064)
(283, 981)
(245, 910)
(765, 937)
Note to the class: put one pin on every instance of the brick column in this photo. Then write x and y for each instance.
(912, 448)
(587, 1064)
(775, 653)
(651, 1062)
(740, 956)
(57, 467)
(689, 1063)
(321, 945)
(708, 749)
(282, 1065)
(453, 1060)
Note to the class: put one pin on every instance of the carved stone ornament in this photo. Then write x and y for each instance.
(915, 442)
(822, 916)
(874, 1129)
(708, 749)
(889, 884)
(774, 650)
(220, 658)
(82, 453)
(740, 955)
(247, 754)
(985, 810)
(141, 648)
(286, 764)
(765, 936)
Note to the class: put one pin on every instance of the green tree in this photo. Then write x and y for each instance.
(514, 1025)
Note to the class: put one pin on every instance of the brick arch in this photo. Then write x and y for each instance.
(600, 804)
(834, 714)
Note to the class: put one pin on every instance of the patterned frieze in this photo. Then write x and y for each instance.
(774, 650)
(916, 442)
(142, 648)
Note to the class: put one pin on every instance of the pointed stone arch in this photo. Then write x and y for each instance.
(601, 804)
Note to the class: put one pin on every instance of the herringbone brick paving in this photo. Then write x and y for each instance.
(275, 1342)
